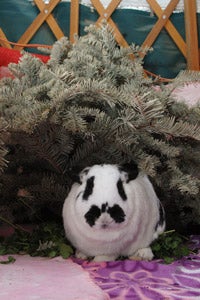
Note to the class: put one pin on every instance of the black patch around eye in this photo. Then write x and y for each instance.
(131, 169)
(89, 188)
(92, 215)
(117, 213)
(121, 190)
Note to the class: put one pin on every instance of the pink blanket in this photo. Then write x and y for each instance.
(36, 278)
(190, 94)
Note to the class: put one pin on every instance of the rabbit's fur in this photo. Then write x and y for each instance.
(112, 211)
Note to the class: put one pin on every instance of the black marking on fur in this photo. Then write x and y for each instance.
(121, 190)
(103, 207)
(116, 213)
(131, 169)
(92, 215)
(89, 188)
(161, 218)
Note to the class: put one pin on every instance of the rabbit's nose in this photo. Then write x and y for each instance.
(104, 225)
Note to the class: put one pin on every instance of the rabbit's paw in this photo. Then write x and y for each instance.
(80, 255)
(100, 258)
(142, 254)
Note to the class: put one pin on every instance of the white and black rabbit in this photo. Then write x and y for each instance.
(112, 211)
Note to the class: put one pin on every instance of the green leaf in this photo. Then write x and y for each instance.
(46, 240)
(10, 260)
(168, 260)
(65, 250)
(52, 254)
(170, 246)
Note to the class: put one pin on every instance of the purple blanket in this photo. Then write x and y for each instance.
(128, 280)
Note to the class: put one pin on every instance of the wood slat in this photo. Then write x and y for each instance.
(35, 25)
(4, 43)
(74, 19)
(191, 35)
(57, 31)
(175, 35)
(189, 48)
(106, 12)
(101, 10)
(162, 20)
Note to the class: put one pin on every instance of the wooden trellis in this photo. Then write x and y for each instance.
(189, 47)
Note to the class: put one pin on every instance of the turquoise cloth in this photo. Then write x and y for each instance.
(166, 59)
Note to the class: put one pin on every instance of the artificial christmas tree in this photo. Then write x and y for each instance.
(91, 103)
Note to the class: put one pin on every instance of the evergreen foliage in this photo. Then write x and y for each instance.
(2, 155)
(92, 104)
(3, 150)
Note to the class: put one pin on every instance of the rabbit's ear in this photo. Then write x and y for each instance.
(77, 175)
(83, 174)
(130, 171)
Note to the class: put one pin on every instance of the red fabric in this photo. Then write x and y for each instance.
(5, 72)
(9, 55)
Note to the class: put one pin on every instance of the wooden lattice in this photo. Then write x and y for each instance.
(188, 48)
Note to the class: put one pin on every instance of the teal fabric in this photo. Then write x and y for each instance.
(17, 15)
(166, 59)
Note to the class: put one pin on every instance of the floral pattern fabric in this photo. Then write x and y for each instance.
(142, 280)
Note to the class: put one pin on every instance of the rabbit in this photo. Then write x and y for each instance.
(111, 211)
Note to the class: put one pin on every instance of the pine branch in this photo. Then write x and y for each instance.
(169, 126)
(91, 104)
(3, 150)
(185, 182)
